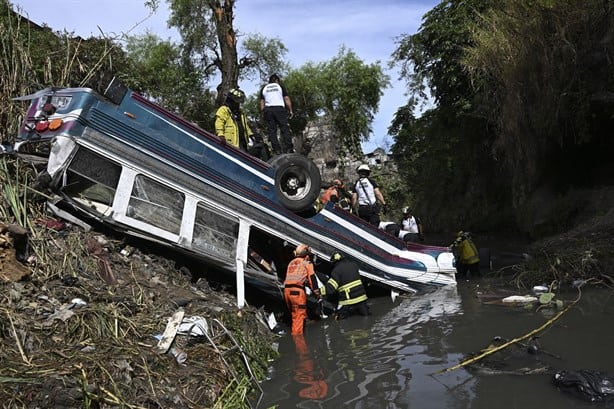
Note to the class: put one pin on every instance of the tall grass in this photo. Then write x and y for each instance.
(14, 203)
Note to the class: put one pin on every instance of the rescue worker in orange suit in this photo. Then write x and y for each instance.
(466, 254)
(300, 275)
(345, 281)
(336, 193)
(307, 371)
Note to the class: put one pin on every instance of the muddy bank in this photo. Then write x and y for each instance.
(81, 320)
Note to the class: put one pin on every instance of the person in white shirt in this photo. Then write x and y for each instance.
(366, 195)
(412, 225)
(276, 108)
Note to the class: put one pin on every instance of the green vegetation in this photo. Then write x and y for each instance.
(521, 112)
(516, 98)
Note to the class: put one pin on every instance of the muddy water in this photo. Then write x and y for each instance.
(389, 360)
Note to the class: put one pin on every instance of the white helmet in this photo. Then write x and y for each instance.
(363, 168)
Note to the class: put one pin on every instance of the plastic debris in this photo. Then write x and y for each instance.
(520, 298)
(170, 332)
(195, 326)
(180, 355)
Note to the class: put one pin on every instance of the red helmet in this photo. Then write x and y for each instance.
(302, 250)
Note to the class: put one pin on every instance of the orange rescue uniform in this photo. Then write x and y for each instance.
(300, 274)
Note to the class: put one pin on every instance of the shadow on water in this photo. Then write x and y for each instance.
(389, 359)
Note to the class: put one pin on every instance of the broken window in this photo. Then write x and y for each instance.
(214, 233)
(92, 178)
(156, 204)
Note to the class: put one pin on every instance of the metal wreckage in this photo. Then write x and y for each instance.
(129, 163)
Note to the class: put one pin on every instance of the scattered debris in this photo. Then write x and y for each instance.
(588, 384)
(69, 337)
(13, 252)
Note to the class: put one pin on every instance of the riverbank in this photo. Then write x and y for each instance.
(82, 311)
(81, 319)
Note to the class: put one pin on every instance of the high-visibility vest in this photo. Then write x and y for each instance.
(468, 252)
(300, 273)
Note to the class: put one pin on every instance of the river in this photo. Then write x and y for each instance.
(391, 359)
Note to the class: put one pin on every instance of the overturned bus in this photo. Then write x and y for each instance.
(142, 170)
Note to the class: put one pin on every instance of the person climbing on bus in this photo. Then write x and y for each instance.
(299, 276)
(412, 225)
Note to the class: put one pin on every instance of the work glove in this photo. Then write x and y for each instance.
(290, 115)
(222, 139)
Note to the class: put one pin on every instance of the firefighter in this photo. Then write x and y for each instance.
(345, 281)
(300, 274)
(230, 121)
(466, 253)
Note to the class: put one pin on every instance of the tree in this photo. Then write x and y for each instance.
(344, 90)
(551, 83)
(210, 42)
(447, 150)
(157, 71)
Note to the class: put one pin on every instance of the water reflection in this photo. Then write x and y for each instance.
(369, 361)
(308, 372)
(388, 360)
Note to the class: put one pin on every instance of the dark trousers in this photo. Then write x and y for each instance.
(278, 117)
(369, 213)
(467, 270)
(361, 308)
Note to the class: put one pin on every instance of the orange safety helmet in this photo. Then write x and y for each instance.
(302, 250)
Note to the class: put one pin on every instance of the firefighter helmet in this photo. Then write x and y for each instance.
(237, 95)
(336, 256)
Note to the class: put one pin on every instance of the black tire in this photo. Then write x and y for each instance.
(297, 181)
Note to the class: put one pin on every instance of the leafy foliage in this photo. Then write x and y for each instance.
(35, 57)
(551, 88)
(263, 56)
(210, 42)
(158, 71)
(443, 154)
(344, 90)
(521, 90)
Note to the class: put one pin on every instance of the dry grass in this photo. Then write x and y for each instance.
(101, 355)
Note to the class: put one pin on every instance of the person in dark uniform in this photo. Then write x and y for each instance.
(345, 281)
